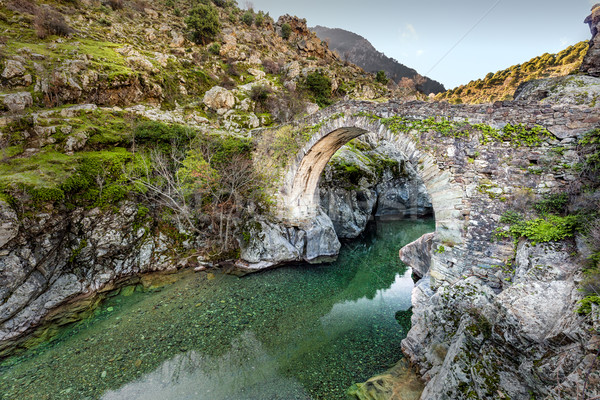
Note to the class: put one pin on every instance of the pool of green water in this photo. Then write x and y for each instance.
(297, 332)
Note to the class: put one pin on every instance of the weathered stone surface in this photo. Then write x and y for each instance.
(17, 102)
(36, 266)
(417, 254)
(267, 244)
(9, 223)
(13, 69)
(219, 98)
(399, 383)
(576, 90)
(591, 61)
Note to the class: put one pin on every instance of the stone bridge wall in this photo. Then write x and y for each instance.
(471, 183)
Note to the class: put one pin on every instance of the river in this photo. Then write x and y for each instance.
(296, 332)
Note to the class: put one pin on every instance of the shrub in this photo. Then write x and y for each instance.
(162, 135)
(381, 78)
(319, 85)
(271, 67)
(114, 4)
(215, 49)
(286, 31)
(248, 18)
(203, 23)
(259, 94)
(22, 6)
(552, 204)
(260, 19)
(48, 22)
(220, 3)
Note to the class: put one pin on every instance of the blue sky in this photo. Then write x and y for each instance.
(429, 35)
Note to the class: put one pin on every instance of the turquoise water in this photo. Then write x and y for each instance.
(298, 332)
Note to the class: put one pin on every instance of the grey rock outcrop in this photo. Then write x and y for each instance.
(525, 339)
(267, 244)
(417, 254)
(591, 61)
(49, 259)
(575, 90)
(17, 102)
(219, 98)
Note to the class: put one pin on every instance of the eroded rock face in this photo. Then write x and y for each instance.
(575, 90)
(417, 254)
(266, 244)
(471, 340)
(591, 62)
(219, 98)
(17, 102)
(50, 258)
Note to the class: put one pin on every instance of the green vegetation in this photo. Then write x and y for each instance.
(518, 135)
(502, 84)
(319, 86)
(381, 77)
(248, 18)
(286, 31)
(203, 23)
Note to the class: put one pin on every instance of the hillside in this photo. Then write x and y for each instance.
(502, 84)
(360, 51)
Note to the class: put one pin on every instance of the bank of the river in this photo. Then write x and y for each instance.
(298, 332)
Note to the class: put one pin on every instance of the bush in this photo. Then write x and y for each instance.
(114, 4)
(220, 3)
(259, 94)
(381, 78)
(203, 23)
(552, 204)
(286, 31)
(162, 135)
(48, 22)
(319, 85)
(22, 6)
(248, 18)
(215, 49)
(260, 19)
(271, 67)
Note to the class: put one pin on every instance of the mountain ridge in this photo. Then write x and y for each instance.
(355, 48)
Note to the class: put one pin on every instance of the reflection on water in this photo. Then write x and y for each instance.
(300, 332)
(246, 372)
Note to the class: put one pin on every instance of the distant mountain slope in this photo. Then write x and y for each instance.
(358, 50)
(502, 84)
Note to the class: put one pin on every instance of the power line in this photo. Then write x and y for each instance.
(464, 36)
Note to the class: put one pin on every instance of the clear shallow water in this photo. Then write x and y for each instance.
(300, 332)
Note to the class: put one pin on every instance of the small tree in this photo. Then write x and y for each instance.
(320, 87)
(286, 31)
(203, 23)
(381, 78)
(248, 18)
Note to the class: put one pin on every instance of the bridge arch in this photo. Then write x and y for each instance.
(300, 196)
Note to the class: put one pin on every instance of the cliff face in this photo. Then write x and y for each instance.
(591, 62)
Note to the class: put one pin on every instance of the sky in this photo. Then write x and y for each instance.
(451, 41)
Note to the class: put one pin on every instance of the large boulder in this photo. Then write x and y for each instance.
(417, 254)
(13, 69)
(265, 244)
(17, 102)
(219, 98)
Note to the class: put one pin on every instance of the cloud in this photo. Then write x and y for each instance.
(409, 33)
(420, 52)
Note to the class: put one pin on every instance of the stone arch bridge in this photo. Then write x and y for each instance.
(473, 159)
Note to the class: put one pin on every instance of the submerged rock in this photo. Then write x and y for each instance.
(399, 383)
